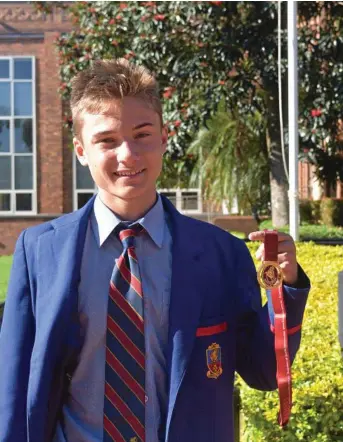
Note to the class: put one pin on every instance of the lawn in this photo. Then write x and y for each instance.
(310, 231)
(5, 267)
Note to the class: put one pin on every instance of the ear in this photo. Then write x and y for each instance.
(164, 138)
(80, 151)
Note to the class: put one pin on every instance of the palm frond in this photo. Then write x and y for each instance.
(231, 160)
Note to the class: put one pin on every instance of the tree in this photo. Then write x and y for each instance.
(207, 52)
(321, 73)
(232, 161)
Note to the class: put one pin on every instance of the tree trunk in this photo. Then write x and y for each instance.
(278, 186)
(278, 179)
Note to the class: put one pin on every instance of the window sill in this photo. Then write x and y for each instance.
(39, 216)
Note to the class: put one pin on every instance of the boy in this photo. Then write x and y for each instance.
(125, 320)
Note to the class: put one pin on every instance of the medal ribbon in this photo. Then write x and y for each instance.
(283, 363)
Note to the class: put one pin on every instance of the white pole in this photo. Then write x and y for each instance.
(293, 118)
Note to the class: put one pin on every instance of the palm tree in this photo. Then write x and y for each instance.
(232, 161)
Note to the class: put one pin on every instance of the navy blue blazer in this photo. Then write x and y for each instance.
(215, 299)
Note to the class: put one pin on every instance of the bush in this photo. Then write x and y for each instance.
(309, 211)
(309, 231)
(317, 414)
(305, 211)
(315, 207)
(331, 212)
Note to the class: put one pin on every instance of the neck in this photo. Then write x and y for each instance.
(128, 209)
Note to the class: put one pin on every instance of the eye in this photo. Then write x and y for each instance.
(143, 135)
(107, 141)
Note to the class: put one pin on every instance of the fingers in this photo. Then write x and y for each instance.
(282, 237)
(260, 252)
(286, 246)
(256, 236)
(286, 254)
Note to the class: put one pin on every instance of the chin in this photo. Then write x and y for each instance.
(128, 193)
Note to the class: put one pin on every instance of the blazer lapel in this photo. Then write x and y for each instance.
(187, 290)
(59, 262)
(59, 253)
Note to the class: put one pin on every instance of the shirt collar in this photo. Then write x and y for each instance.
(106, 221)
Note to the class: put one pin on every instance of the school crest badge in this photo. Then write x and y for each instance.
(214, 361)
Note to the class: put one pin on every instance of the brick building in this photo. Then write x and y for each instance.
(35, 161)
(39, 177)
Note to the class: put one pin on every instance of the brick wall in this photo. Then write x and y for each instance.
(10, 229)
(50, 147)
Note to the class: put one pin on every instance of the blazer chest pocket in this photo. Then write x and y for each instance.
(212, 352)
(211, 326)
(210, 330)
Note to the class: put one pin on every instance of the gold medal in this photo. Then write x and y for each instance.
(270, 275)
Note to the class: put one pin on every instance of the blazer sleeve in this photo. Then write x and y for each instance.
(16, 341)
(255, 353)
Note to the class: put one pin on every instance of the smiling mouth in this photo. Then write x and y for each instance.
(129, 173)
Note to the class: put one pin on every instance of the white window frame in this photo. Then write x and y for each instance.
(179, 194)
(77, 191)
(12, 192)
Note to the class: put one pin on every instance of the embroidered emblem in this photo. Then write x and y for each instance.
(134, 439)
(214, 361)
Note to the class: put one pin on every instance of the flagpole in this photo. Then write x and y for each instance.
(293, 118)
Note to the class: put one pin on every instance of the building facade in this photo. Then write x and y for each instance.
(35, 160)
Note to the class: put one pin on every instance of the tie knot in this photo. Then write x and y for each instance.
(127, 234)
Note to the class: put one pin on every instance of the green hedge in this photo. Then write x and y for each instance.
(331, 212)
(328, 211)
(317, 414)
(309, 211)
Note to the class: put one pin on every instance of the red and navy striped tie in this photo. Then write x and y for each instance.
(124, 405)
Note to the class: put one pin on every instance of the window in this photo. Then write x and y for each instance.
(84, 186)
(17, 136)
(187, 201)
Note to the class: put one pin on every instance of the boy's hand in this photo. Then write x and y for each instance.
(286, 255)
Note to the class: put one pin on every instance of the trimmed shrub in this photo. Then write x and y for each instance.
(315, 209)
(317, 414)
(309, 211)
(331, 212)
(305, 211)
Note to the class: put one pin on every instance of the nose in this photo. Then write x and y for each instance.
(126, 152)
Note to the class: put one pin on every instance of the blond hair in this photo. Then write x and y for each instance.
(94, 88)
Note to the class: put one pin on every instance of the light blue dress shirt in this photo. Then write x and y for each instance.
(83, 413)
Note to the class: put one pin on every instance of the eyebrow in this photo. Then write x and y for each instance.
(111, 132)
(142, 125)
(102, 133)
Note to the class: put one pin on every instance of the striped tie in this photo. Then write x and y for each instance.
(124, 405)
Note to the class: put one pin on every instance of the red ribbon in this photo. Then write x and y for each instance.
(283, 363)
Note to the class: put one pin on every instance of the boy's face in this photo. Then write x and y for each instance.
(123, 149)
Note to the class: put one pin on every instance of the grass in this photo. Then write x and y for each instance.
(310, 231)
(5, 267)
